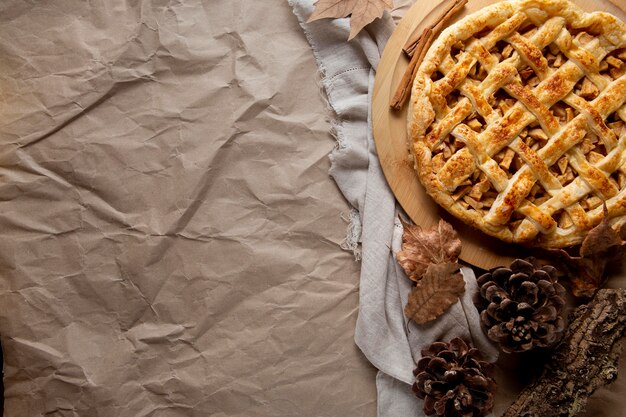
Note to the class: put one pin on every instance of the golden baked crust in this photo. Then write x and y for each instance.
(516, 121)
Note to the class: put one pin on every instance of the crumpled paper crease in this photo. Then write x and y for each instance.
(169, 234)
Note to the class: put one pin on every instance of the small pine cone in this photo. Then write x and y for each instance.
(520, 307)
(453, 380)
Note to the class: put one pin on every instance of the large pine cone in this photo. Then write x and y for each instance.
(520, 307)
(453, 380)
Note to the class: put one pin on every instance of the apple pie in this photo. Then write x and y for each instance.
(517, 121)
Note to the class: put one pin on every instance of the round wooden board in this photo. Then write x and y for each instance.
(391, 138)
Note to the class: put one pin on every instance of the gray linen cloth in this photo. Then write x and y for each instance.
(389, 342)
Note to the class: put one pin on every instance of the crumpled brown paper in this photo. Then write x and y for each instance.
(169, 232)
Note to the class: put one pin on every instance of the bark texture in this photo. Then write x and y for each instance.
(585, 359)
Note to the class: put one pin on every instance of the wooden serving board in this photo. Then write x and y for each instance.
(390, 133)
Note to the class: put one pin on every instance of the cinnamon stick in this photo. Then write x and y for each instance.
(418, 48)
(450, 10)
(402, 93)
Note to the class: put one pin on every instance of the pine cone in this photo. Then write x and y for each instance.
(453, 381)
(520, 307)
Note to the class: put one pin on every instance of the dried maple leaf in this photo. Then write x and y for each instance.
(587, 272)
(361, 12)
(440, 287)
(422, 248)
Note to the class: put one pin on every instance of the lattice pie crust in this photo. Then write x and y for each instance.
(517, 121)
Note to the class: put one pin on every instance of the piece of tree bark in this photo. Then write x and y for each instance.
(586, 359)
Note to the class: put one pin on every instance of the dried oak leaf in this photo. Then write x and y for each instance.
(361, 12)
(586, 272)
(440, 287)
(421, 248)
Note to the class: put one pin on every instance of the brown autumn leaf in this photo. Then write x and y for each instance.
(440, 287)
(586, 272)
(600, 239)
(421, 248)
(361, 12)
